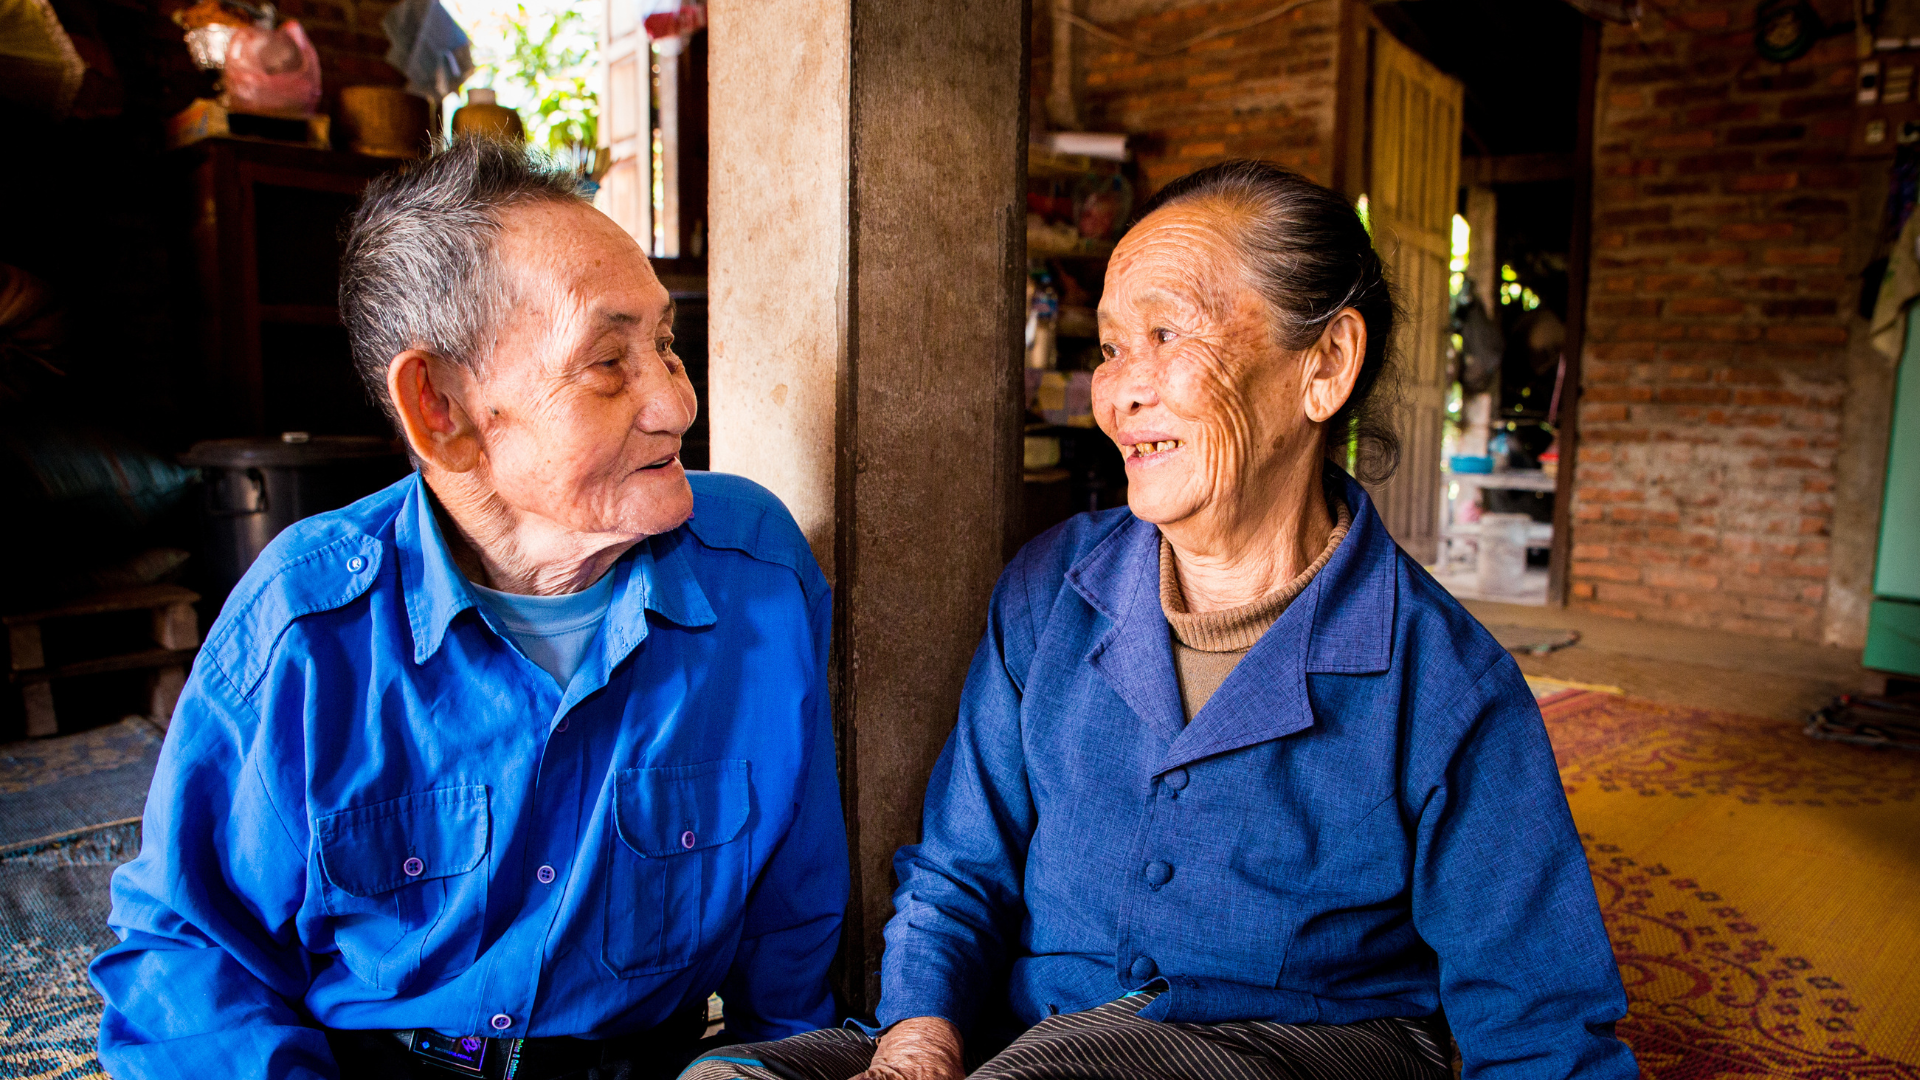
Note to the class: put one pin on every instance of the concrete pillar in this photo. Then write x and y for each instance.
(1860, 461)
(867, 247)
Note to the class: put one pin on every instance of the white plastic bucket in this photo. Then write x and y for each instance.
(1503, 552)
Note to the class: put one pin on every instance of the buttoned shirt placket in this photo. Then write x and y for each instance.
(568, 755)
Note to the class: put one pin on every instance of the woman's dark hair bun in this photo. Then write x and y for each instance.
(1310, 256)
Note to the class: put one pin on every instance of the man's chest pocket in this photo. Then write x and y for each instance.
(406, 885)
(677, 877)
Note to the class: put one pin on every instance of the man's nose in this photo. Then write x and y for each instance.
(669, 407)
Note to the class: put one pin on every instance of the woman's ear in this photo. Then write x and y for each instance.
(1333, 365)
(436, 424)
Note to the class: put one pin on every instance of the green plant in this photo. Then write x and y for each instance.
(543, 58)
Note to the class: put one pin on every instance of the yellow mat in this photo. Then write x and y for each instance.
(1762, 888)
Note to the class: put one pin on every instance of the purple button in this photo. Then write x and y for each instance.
(413, 867)
(545, 874)
(687, 839)
(501, 1021)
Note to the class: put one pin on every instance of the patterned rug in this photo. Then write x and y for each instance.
(53, 922)
(1762, 889)
(51, 789)
(1759, 887)
(69, 813)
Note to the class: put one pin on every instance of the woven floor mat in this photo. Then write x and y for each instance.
(55, 788)
(1759, 887)
(53, 922)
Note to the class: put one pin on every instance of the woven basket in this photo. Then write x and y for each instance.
(384, 121)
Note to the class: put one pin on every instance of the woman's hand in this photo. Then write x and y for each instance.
(923, 1048)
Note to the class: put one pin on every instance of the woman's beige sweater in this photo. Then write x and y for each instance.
(1208, 644)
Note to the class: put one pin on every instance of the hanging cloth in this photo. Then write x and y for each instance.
(1898, 289)
(429, 47)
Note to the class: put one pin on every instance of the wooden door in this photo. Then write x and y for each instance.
(626, 61)
(1412, 182)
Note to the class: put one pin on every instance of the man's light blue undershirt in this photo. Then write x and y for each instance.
(553, 631)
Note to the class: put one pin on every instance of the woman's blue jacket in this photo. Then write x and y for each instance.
(1365, 820)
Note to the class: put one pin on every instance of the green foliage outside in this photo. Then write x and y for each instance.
(538, 56)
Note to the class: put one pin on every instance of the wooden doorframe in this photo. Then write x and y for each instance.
(643, 90)
(626, 121)
(1579, 267)
(1352, 99)
(1412, 151)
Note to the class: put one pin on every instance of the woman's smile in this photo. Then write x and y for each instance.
(1149, 447)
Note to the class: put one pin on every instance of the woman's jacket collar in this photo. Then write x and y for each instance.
(1341, 624)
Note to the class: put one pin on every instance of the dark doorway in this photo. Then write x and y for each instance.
(1528, 69)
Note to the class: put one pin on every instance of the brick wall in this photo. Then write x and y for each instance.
(1266, 92)
(1723, 280)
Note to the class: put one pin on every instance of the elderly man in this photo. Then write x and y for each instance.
(505, 769)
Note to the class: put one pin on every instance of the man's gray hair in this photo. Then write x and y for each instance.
(420, 271)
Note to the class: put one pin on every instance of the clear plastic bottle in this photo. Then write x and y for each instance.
(1043, 318)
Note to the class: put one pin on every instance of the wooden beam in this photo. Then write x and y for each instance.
(133, 599)
(147, 658)
(1579, 254)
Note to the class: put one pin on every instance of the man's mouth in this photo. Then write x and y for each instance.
(662, 463)
(1139, 450)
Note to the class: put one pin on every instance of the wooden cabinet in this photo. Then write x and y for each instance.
(268, 225)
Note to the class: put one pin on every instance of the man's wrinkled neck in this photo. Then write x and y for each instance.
(510, 550)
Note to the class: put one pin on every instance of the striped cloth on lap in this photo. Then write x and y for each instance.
(827, 1054)
(1111, 1042)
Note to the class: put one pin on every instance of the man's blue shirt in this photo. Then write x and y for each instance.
(372, 811)
(1365, 820)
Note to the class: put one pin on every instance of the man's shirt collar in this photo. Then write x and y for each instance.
(654, 576)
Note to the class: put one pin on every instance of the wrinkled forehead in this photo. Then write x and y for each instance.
(1181, 255)
(556, 256)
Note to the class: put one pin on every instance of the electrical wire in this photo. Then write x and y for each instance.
(1146, 49)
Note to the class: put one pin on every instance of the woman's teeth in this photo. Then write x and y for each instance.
(1142, 449)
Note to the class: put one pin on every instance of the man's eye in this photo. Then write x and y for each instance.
(1107, 350)
(665, 345)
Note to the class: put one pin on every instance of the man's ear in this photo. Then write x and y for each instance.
(1332, 365)
(436, 424)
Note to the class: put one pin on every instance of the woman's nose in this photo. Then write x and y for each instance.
(1132, 386)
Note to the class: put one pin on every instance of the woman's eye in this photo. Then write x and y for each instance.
(610, 362)
(1162, 335)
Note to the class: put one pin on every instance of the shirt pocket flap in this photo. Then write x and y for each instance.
(662, 812)
(368, 850)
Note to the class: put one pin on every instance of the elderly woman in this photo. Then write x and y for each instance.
(1237, 790)
(505, 769)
